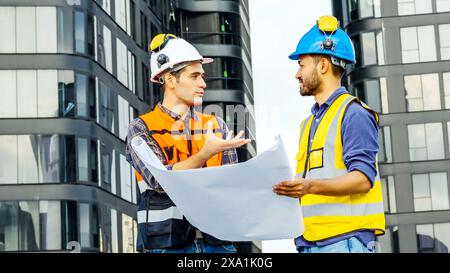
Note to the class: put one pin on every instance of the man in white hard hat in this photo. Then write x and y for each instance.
(182, 138)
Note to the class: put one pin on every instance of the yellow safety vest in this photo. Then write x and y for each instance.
(329, 216)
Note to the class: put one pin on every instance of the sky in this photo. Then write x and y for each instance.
(275, 29)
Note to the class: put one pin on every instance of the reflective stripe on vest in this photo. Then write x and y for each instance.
(329, 216)
(159, 215)
(342, 209)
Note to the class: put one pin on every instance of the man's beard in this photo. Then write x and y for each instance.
(310, 85)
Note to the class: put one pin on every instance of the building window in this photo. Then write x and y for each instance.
(380, 47)
(30, 226)
(27, 93)
(372, 48)
(125, 16)
(125, 117)
(389, 242)
(433, 238)
(108, 168)
(65, 38)
(46, 94)
(69, 222)
(418, 44)
(125, 179)
(446, 77)
(426, 141)
(359, 9)
(144, 31)
(27, 159)
(448, 132)
(444, 39)
(50, 225)
(37, 159)
(384, 139)
(29, 29)
(7, 29)
(8, 95)
(88, 226)
(372, 94)
(422, 92)
(226, 73)
(147, 96)
(388, 189)
(106, 106)
(114, 232)
(80, 32)
(125, 66)
(356, 40)
(83, 159)
(66, 90)
(369, 49)
(442, 5)
(81, 93)
(46, 30)
(384, 96)
(224, 28)
(131, 72)
(84, 33)
(106, 5)
(85, 96)
(93, 163)
(408, 7)
(430, 191)
(366, 8)
(129, 230)
(85, 228)
(47, 90)
(104, 47)
(20, 226)
(8, 167)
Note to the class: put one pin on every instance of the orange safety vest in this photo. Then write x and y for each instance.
(177, 143)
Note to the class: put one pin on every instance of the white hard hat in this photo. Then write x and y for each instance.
(169, 52)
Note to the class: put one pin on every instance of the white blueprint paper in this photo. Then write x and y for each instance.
(232, 202)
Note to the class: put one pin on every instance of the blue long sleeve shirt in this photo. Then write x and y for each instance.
(360, 147)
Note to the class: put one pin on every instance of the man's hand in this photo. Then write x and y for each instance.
(354, 182)
(295, 188)
(214, 144)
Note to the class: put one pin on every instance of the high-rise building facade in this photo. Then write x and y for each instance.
(73, 74)
(403, 72)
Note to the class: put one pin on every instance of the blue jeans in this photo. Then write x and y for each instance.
(198, 246)
(350, 245)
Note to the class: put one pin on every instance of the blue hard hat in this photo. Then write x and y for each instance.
(328, 41)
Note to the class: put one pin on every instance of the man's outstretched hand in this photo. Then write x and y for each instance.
(214, 144)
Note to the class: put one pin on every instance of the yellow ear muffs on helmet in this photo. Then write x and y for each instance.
(159, 42)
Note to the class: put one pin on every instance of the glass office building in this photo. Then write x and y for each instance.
(403, 72)
(73, 74)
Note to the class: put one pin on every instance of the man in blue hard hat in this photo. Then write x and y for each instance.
(337, 179)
